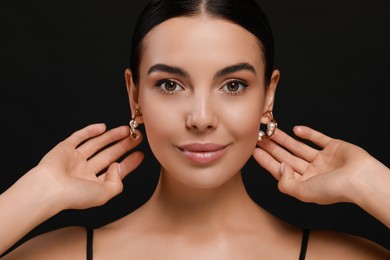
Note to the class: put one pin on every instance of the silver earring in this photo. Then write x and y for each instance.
(134, 124)
(271, 127)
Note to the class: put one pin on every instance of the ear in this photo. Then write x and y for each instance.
(270, 95)
(133, 92)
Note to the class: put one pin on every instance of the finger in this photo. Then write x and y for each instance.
(298, 148)
(312, 135)
(127, 165)
(85, 133)
(130, 163)
(267, 162)
(90, 147)
(109, 155)
(280, 154)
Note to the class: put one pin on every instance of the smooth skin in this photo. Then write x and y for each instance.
(197, 211)
(337, 172)
(66, 178)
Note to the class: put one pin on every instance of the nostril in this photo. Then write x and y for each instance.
(202, 124)
(201, 114)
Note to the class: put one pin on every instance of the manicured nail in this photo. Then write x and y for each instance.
(119, 168)
(282, 168)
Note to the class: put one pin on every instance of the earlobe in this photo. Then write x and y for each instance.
(270, 95)
(133, 93)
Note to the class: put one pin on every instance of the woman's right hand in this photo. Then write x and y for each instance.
(81, 171)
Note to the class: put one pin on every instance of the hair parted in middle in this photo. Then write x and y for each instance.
(245, 13)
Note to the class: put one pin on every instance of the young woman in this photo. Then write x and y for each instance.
(202, 82)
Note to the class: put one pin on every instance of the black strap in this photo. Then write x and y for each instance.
(305, 240)
(89, 243)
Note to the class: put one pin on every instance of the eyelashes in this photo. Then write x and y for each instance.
(232, 87)
(168, 86)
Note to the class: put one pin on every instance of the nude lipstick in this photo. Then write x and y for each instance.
(202, 153)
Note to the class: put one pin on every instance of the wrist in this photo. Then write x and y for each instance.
(368, 183)
(26, 204)
(41, 191)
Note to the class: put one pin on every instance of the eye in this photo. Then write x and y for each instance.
(168, 86)
(234, 87)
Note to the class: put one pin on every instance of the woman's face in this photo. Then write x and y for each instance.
(202, 96)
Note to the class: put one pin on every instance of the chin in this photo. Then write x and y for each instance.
(211, 177)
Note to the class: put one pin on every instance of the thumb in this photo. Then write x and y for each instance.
(288, 184)
(112, 182)
(113, 173)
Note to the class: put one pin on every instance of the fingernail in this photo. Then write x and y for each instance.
(119, 168)
(297, 128)
(281, 168)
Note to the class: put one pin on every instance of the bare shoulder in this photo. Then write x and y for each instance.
(335, 245)
(64, 243)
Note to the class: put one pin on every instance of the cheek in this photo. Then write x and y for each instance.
(243, 118)
(238, 122)
(161, 119)
(243, 126)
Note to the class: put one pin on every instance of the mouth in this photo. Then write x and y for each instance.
(202, 153)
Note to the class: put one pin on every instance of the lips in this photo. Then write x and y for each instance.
(202, 153)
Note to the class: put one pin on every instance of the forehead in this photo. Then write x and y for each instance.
(200, 40)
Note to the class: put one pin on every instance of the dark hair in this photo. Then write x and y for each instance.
(246, 13)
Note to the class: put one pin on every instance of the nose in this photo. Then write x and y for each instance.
(202, 116)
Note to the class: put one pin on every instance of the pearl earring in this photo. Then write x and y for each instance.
(134, 124)
(271, 127)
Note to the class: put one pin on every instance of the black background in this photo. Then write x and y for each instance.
(62, 65)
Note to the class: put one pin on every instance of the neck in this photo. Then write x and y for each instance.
(207, 207)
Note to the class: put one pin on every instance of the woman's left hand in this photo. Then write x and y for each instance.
(322, 175)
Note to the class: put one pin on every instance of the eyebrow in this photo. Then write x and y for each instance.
(168, 69)
(235, 68)
(223, 72)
